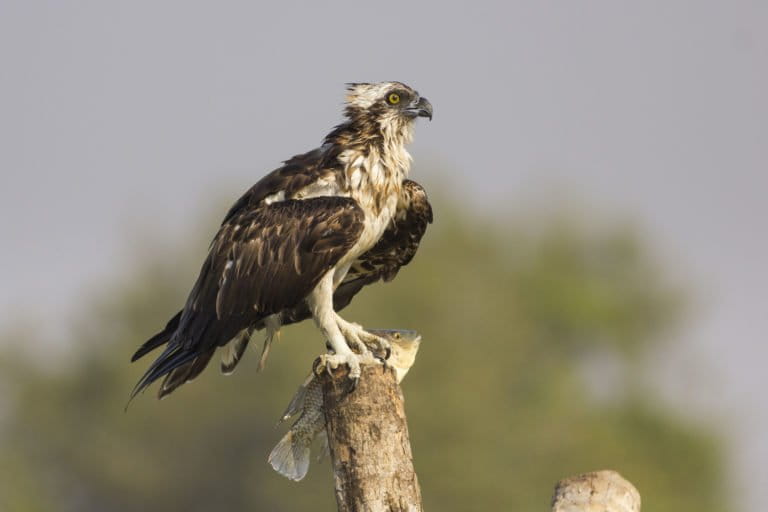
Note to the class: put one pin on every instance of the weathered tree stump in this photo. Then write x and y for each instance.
(368, 439)
(599, 491)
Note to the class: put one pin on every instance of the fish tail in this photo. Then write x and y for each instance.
(290, 456)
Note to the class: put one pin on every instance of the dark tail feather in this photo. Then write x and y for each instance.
(158, 339)
(173, 357)
(184, 373)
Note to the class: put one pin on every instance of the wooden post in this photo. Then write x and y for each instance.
(599, 491)
(368, 439)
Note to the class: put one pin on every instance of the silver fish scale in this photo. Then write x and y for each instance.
(312, 419)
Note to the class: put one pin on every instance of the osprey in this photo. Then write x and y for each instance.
(303, 241)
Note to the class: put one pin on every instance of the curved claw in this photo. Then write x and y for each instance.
(384, 357)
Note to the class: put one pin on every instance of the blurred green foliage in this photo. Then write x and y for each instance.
(498, 405)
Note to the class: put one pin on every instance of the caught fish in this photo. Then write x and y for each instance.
(290, 457)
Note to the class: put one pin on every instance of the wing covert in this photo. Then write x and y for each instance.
(270, 258)
(262, 261)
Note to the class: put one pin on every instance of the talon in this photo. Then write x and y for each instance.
(357, 347)
(381, 344)
(328, 363)
(332, 361)
(385, 357)
(354, 370)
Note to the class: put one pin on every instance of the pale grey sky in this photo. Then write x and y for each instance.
(113, 113)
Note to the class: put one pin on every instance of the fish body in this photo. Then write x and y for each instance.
(290, 457)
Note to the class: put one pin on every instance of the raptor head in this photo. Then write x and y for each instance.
(387, 104)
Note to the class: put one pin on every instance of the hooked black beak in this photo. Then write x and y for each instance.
(423, 108)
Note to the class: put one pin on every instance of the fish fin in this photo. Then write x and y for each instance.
(297, 402)
(325, 448)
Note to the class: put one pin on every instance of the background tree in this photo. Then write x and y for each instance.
(512, 390)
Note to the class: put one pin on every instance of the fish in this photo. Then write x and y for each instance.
(291, 455)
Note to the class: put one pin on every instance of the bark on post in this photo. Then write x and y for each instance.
(599, 491)
(368, 438)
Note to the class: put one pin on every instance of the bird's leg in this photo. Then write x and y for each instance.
(320, 302)
(357, 337)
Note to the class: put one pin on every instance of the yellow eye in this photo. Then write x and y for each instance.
(393, 98)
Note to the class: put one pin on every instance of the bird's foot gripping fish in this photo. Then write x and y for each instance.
(290, 457)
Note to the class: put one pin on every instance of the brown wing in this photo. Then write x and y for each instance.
(262, 261)
(395, 249)
(399, 243)
(295, 174)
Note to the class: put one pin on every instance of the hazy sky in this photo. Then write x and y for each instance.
(116, 114)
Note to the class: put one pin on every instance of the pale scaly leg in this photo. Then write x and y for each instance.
(357, 337)
(320, 303)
